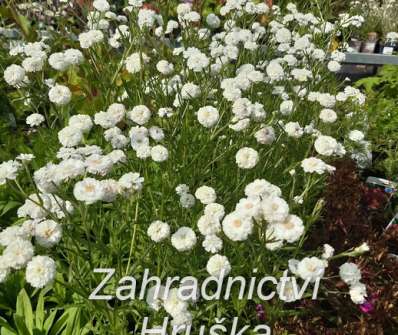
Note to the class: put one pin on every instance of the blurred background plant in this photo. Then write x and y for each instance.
(380, 16)
(382, 107)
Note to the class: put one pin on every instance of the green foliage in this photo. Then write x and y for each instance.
(36, 318)
(382, 107)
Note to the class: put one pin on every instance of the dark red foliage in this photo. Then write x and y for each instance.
(375, 198)
(353, 214)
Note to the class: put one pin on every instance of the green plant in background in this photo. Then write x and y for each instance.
(382, 92)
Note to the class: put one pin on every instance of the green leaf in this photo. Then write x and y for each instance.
(60, 324)
(369, 83)
(49, 322)
(9, 206)
(24, 309)
(40, 311)
(5, 331)
(72, 320)
(5, 324)
(21, 326)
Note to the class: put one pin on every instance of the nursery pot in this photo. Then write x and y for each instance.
(369, 46)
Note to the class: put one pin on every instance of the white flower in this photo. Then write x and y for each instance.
(81, 122)
(58, 61)
(187, 200)
(101, 5)
(136, 3)
(275, 209)
(218, 265)
(328, 251)
(364, 247)
(198, 62)
(89, 38)
(286, 107)
(262, 188)
(155, 297)
(131, 181)
(328, 115)
(301, 75)
(48, 233)
(350, 273)
(68, 169)
(89, 190)
(34, 120)
(208, 225)
(358, 293)
(215, 210)
(159, 153)
(265, 135)
(312, 164)
(165, 112)
(135, 62)
(208, 116)
(283, 35)
(334, 66)
(213, 21)
(9, 170)
(111, 190)
(212, 243)
(158, 231)
(29, 208)
(146, 18)
(164, 67)
(290, 230)
(356, 135)
(60, 95)
(206, 195)
(242, 108)
(73, 56)
(33, 64)
(9, 234)
(40, 271)
(237, 227)
(14, 75)
(311, 268)
(326, 145)
(4, 269)
(173, 304)
(70, 136)
(247, 158)
(108, 119)
(139, 114)
(99, 164)
(171, 26)
(182, 189)
(143, 151)
(156, 133)
(18, 253)
(293, 129)
(25, 157)
(275, 71)
(189, 91)
(250, 207)
(184, 239)
(288, 294)
(327, 100)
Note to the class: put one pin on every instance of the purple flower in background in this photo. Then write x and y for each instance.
(368, 306)
(260, 312)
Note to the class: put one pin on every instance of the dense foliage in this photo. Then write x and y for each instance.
(151, 137)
